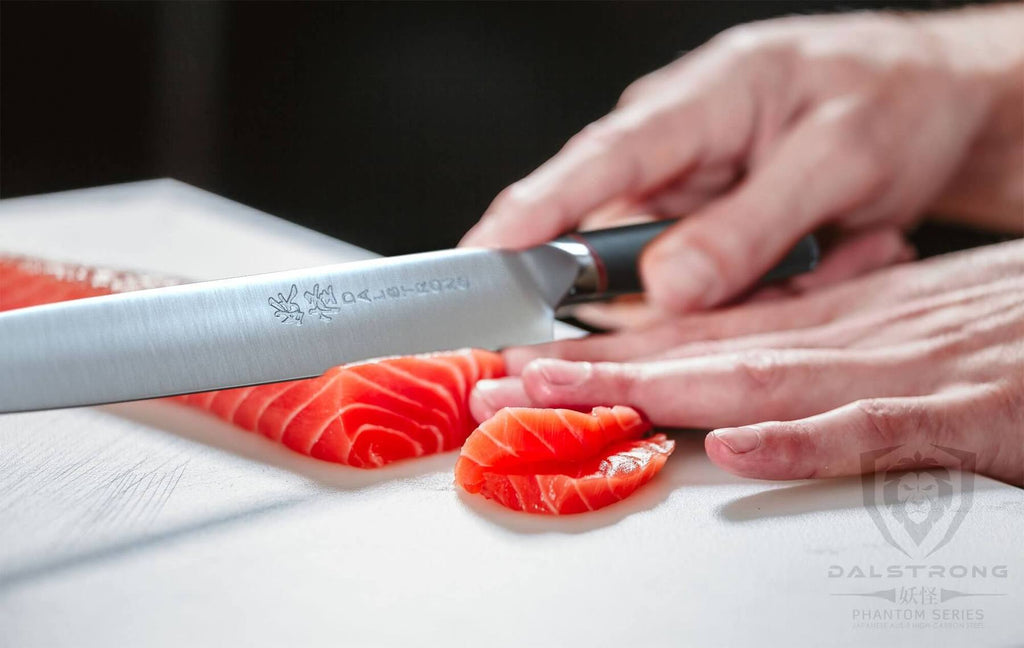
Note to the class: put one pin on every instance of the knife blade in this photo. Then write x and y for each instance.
(299, 323)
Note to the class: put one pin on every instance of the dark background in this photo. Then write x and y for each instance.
(388, 125)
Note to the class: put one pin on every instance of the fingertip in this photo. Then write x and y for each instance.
(726, 453)
(741, 440)
(489, 396)
(717, 451)
(755, 451)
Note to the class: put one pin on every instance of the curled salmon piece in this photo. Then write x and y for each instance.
(556, 461)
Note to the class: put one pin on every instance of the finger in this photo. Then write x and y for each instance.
(917, 319)
(638, 147)
(696, 189)
(783, 314)
(922, 319)
(626, 153)
(974, 419)
(653, 83)
(756, 385)
(673, 200)
(856, 256)
(609, 347)
(858, 308)
(631, 313)
(934, 276)
(859, 255)
(489, 396)
(851, 258)
(629, 153)
(617, 212)
(817, 171)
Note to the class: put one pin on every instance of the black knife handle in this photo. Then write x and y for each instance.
(609, 259)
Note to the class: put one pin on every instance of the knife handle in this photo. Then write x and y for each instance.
(608, 259)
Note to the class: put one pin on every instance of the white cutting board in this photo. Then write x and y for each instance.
(151, 524)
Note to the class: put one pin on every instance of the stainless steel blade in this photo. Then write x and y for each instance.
(274, 327)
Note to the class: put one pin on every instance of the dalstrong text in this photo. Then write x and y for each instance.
(323, 302)
(918, 571)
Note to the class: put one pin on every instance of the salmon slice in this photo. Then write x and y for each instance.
(365, 414)
(555, 462)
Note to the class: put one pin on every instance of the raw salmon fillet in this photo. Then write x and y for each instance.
(555, 461)
(365, 414)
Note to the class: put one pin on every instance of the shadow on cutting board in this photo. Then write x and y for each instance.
(801, 499)
(806, 498)
(203, 428)
(688, 466)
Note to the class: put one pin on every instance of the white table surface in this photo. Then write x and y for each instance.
(152, 524)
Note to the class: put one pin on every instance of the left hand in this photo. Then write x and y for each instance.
(922, 354)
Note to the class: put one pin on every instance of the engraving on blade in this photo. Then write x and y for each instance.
(323, 305)
(285, 308)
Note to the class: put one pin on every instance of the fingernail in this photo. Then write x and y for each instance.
(690, 276)
(487, 387)
(489, 396)
(483, 403)
(739, 440)
(563, 373)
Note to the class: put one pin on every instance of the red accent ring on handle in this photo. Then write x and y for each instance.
(602, 273)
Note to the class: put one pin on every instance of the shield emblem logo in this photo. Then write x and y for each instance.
(918, 502)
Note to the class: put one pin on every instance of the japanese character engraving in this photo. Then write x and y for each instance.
(285, 308)
(322, 303)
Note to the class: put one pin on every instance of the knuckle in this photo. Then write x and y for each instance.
(762, 370)
(1006, 401)
(633, 91)
(851, 136)
(521, 200)
(745, 38)
(847, 124)
(628, 381)
(604, 135)
(890, 422)
(939, 350)
(514, 197)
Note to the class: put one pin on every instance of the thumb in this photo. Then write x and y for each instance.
(816, 172)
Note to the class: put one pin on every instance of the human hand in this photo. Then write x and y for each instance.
(924, 353)
(769, 131)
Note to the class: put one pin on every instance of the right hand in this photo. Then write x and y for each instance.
(768, 132)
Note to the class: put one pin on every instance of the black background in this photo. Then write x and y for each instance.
(389, 125)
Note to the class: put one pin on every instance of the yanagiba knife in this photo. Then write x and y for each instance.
(299, 323)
